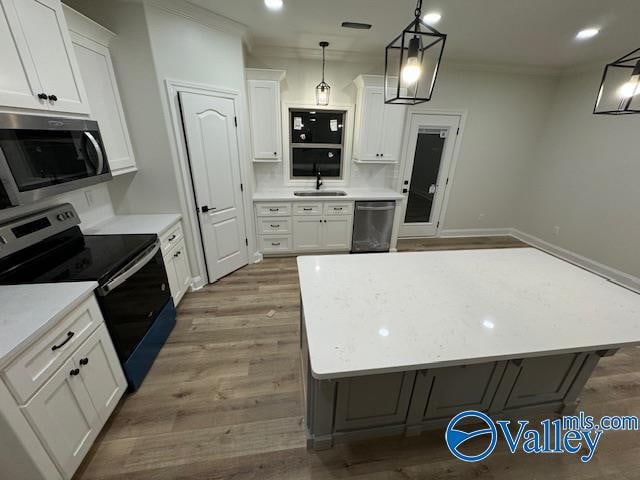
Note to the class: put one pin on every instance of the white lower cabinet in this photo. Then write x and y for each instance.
(307, 233)
(337, 233)
(304, 227)
(178, 271)
(69, 409)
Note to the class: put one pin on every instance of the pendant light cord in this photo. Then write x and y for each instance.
(323, 64)
(418, 10)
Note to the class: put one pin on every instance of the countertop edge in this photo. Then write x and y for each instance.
(287, 196)
(15, 352)
(453, 363)
(97, 229)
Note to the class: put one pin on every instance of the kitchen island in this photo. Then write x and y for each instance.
(401, 342)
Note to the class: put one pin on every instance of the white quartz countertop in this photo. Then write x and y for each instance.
(286, 194)
(134, 224)
(378, 313)
(28, 311)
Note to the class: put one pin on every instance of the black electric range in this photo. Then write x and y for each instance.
(133, 289)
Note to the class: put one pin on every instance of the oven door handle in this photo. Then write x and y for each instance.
(130, 270)
(98, 150)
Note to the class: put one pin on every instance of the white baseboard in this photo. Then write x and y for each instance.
(626, 280)
(257, 257)
(474, 232)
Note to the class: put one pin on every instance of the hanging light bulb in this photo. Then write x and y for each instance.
(617, 96)
(323, 89)
(412, 69)
(632, 87)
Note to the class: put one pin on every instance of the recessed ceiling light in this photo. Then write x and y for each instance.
(431, 18)
(273, 4)
(587, 33)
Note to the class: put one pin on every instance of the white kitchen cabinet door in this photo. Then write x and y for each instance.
(264, 104)
(183, 273)
(19, 82)
(392, 131)
(337, 232)
(101, 372)
(370, 124)
(174, 284)
(64, 418)
(307, 233)
(49, 44)
(99, 79)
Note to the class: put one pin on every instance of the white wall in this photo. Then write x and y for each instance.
(585, 179)
(506, 113)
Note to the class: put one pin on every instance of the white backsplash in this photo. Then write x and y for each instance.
(93, 205)
(269, 175)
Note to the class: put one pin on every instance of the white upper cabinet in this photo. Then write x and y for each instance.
(263, 87)
(90, 42)
(379, 127)
(37, 47)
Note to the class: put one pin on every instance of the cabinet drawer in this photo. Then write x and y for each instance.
(171, 238)
(338, 208)
(270, 226)
(275, 243)
(273, 209)
(307, 209)
(36, 365)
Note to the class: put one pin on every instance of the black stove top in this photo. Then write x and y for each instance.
(72, 257)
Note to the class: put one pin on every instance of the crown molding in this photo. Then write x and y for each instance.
(203, 16)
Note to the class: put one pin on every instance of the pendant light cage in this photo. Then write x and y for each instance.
(323, 90)
(619, 92)
(412, 60)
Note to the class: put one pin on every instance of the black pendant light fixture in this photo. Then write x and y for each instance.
(411, 62)
(323, 89)
(620, 87)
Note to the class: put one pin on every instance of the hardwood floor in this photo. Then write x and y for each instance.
(224, 401)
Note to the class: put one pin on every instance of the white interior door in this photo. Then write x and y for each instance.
(212, 143)
(426, 172)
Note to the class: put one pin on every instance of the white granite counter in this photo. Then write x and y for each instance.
(28, 311)
(133, 224)
(286, 194)
(388, 312)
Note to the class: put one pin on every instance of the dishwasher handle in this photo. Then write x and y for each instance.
(375, 209)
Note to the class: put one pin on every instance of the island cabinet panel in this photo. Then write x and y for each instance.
(537, 381)
(441, 393)
(373, 400)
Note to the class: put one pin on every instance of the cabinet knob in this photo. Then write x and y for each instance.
(74, 372)
(377, 154)
(84, 361)
(275, 153)
(42, 96)
(53, 98)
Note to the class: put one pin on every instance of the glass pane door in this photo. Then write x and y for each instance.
(424, 175)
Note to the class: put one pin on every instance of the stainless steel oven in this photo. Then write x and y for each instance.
(42, 156)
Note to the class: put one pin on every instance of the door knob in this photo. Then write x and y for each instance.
(206, 208)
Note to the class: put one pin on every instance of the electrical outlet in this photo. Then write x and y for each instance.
(89, 196)
(556, 230)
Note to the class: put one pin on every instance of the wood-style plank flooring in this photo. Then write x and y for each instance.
(224, 401)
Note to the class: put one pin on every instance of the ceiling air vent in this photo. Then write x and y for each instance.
(356, 25)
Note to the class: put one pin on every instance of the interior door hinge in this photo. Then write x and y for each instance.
(438, 225)
(447, 182)
(458, 131)
(246, 242)
(241, 188)
(235, 120)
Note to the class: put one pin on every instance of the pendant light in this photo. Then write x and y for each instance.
(323, 89)
(619, 92)
(411, 63)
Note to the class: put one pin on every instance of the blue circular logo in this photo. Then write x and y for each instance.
(456, 438)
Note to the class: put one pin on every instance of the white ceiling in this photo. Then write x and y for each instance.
(536, 33)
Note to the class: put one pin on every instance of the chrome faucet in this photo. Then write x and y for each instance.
(318, 180)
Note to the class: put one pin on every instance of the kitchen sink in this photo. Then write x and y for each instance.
(320, 193)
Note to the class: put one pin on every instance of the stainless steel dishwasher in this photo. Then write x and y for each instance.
(372, 225)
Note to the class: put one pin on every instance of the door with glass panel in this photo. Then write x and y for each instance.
(426, 172)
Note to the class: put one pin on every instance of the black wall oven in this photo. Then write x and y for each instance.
(43, 156)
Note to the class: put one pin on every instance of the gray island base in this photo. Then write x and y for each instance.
(399, 343)
(413, 401)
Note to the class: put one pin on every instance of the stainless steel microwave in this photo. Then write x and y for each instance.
(43, 156)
